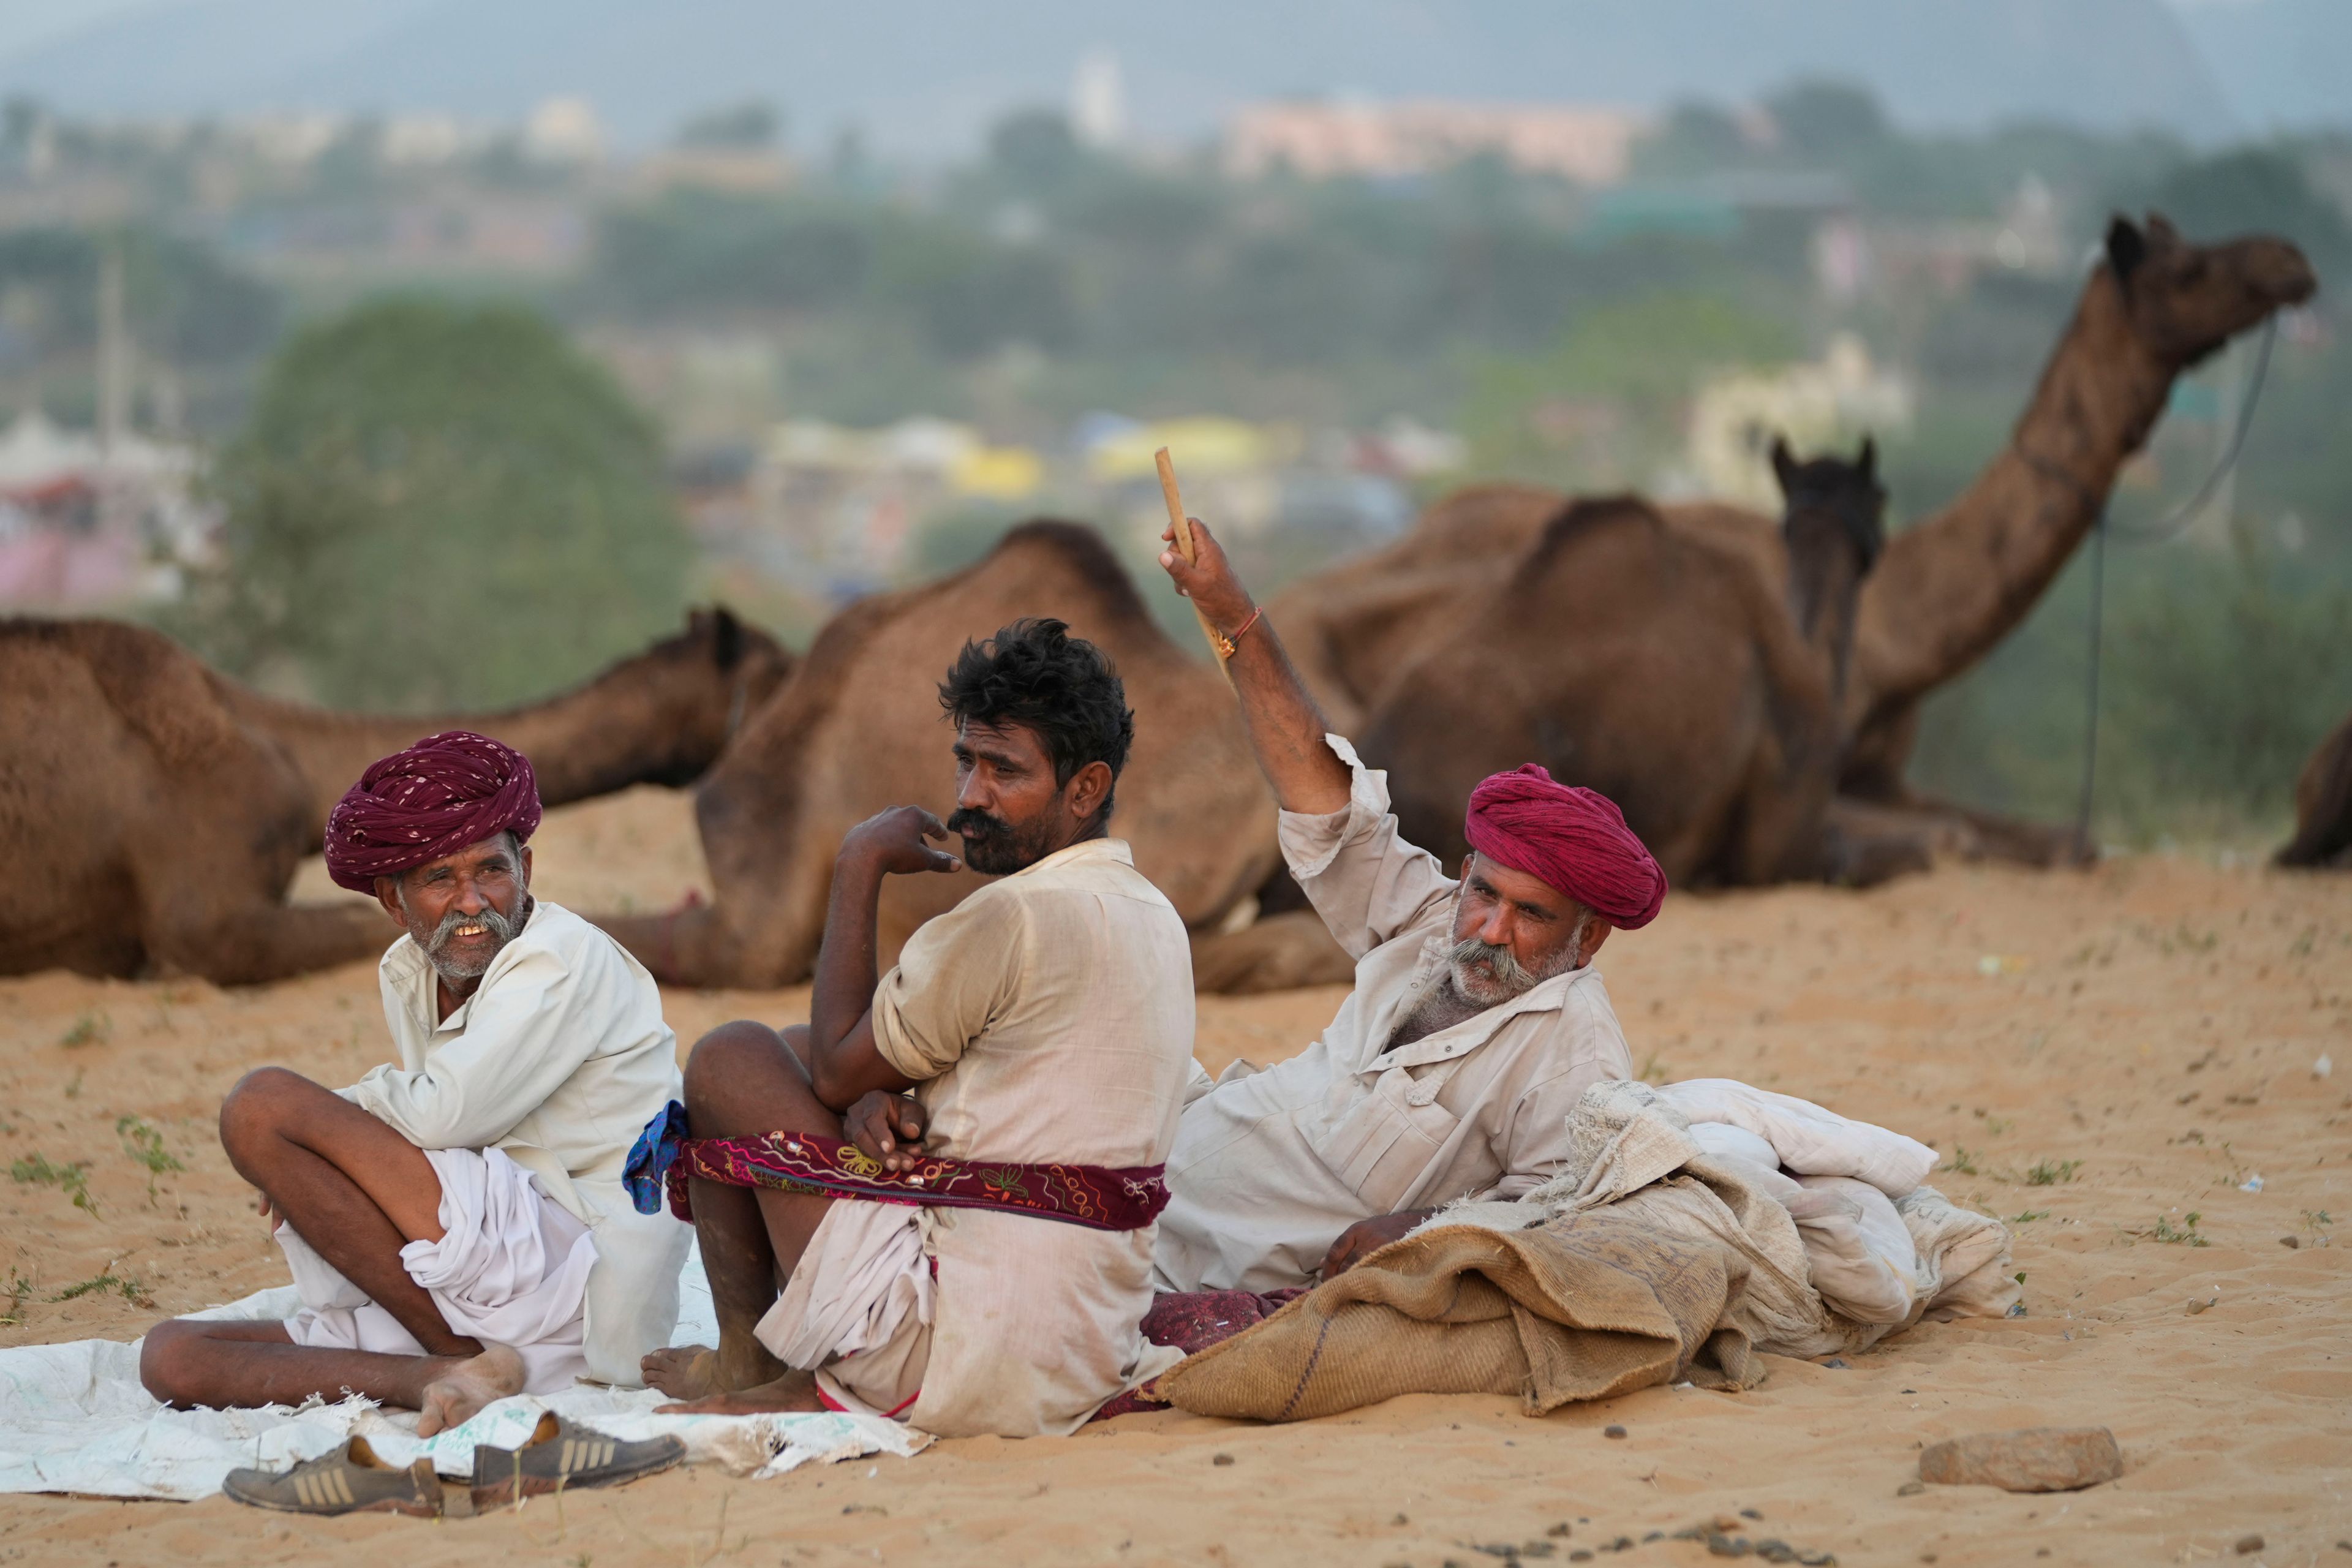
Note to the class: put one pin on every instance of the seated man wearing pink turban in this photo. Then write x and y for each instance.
(1477, 1019)
(456, 1224)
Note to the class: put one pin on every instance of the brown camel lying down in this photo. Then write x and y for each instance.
(1625, 654)
(857, 727)
(2323, 807)
(1946, 591)
(153, 811)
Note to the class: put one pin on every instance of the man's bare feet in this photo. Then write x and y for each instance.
(460, 1392)
(682, 1371)
(696, 1371)
(796, 1390)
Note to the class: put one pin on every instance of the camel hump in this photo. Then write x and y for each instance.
(1587, 517)
(1077, 549)
(157, 687)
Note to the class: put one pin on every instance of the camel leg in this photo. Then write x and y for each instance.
(257, 943)
(1279, 952)
(1866, 843)
(1985, 835)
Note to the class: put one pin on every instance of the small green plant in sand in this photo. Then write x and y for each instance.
(145, 1144)
(107, 1284)
(90, 1029)
(73, 1089)
(2179, 1236)
(19, 1287)
(71, 1180)
(2028, 1216)
(1963, 1160)
(2053, 1172)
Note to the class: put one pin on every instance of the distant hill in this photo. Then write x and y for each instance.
(923, 77)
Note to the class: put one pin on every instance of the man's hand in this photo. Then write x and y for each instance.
(894, 841)
(1210, 583)
(888, 1127)
(1367, 1237)
(1285, 728)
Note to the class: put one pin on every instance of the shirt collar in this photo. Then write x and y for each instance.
(1547, 995)
(408, 975)
(1114, 851)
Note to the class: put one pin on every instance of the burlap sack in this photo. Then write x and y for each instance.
(1586, 1307)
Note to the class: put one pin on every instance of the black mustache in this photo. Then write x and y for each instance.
(972, 823)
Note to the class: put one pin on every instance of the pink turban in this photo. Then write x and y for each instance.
(444, 792)
(1574, 839)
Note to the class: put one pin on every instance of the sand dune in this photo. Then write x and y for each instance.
(2142, 1035)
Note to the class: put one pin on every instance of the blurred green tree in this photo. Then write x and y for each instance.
(437, 503)
(753, 124)
(1828, 120)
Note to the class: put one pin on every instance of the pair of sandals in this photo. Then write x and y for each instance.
(559, 1456)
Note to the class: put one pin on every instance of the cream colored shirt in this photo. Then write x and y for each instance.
(1270, 1166)
(560, 1057)
(1048, 1018)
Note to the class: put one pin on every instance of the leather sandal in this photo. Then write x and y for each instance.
(352, 1479)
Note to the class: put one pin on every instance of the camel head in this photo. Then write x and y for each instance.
(707, 681)
(1834, 527)
(2185, 300)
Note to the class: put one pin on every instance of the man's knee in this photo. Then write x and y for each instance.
(731, 1054)
(264, 1103)
(163, 1357)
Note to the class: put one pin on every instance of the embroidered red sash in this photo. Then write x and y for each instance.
(1096, 1197)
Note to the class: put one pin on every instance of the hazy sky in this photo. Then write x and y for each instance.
(923, 75)
(27, 22)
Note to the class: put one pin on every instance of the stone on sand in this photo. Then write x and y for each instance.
(2034, 1459)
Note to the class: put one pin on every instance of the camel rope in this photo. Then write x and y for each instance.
(2171, 528)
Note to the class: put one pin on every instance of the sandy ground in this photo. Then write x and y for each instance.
(2146, 1033)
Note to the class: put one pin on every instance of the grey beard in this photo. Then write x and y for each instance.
(1504, 975)
(449, 965)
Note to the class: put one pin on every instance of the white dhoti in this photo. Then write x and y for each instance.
(857, 1309)
(510, 1269)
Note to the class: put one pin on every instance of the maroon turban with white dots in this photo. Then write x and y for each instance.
(444, 792)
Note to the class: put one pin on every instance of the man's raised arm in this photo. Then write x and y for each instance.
(1286, 726)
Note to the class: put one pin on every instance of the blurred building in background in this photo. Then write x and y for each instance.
(1588, 144)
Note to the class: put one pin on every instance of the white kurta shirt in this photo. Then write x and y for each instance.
(1270, 1166)
(560, 1057)
(1047, 1017)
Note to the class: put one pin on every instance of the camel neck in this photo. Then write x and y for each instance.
(611, 732)
(1949, 588)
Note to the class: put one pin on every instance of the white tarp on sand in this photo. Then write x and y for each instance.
(73, 1418)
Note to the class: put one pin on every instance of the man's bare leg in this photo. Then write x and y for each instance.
(349, 1186)
(744, 1078)
(186, 1364)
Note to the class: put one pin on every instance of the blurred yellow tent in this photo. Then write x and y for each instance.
(997, 473)
(1204, 447)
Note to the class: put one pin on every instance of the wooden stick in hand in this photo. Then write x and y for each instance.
(1181, 526)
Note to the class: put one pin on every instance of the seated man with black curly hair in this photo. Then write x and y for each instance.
(975, 1254)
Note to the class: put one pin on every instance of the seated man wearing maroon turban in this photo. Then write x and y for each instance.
(1477, 1019)
(456, 1224)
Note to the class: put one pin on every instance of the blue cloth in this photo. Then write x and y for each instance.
(650, 1158)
